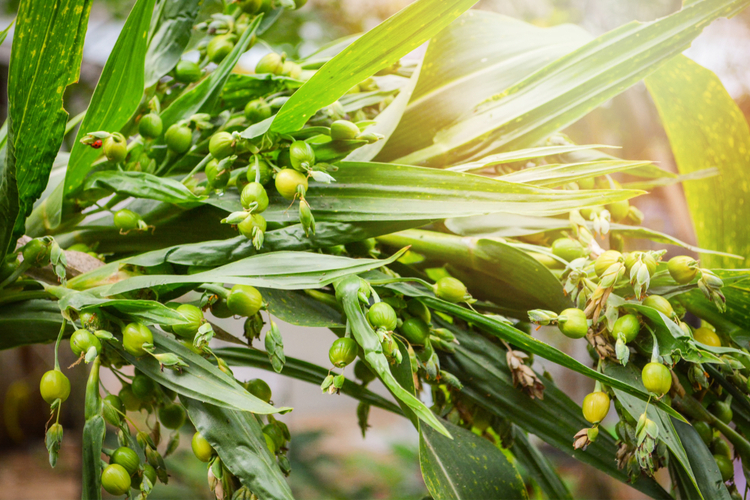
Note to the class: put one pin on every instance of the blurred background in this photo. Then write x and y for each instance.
(330, 459)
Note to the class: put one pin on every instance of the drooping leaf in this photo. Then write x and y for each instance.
(39, 320)
(204, 96)
(509, 269)
(479, 55)
(707, 129)
(520, 155)
(347, 292)
(702, 462)
(567, 89)
(302, 370)
(284, 270)
(117, 95)
(482, 365)
(466, 467)
(45, 59)
(91, 466)
(200, 380)
(298, 308)
(513, 225)
(142, 185)
(238, 439)
(377, 49)
(170, 33)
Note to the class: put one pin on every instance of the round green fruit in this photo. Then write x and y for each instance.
(244, 300)
(721, 447)
(342, 130)
(259, 388)
(342, 352)
(723, 411)
(660, 304)
(270, 63)
(595, 406)
(216, 178)
(362, 372)
(633, 257)
(179, 138)
(288, 181)
(112, 409)
(450, 289)
(149, 472)
(115, 479)
(115, 148)
(150, 126)
(573, 323)
(275, 434)
(36, 252)
(126, 458)
(682, 269)
(628, 326)
(656, 378)
(382, 315)
(704, 431)
(201, 447)
(302, 156)
(54, 385)
(254, 192)
(257, 111)
(291, 69)
(415, 330)
(129, 400)
(251, 222)
(172, 416)
(618, 210)
(726, 467)
(134, 336)
(143, 388)
(605, 260)
(193, 321)
(221, 145)
(707, 336)
(82, 340)
(219, 48)
(416, 307)
(266, 172)
(187, 72)
(568, 249)
(126, 220)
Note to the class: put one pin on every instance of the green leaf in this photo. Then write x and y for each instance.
(702, 462)
(142, 185)
(501, 273)
(477, 56)
(170, 33)
(567, 89)
(347, 292)
(200, 380)
(238, 439)
(538, 467)
(381, 191)
(117, 95)
(377, 49)
(513, 225)
(707, 129)
(204, 96)
(635, 407)
(39, 320)
(466, 467)
(520, 155)
(298, 308)
(284, 270)
(45, 58)
(482, 367)
(91, 444)
(387, 121)
(555, 175)
(240, 89)
(302, 370)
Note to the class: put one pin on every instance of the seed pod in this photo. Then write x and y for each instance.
(415, 330)
(660, 304)
(221, 145)
(573, 323)
(54, 385)
(187, 72)
(201, 447)
(115, 147)
(134, 336)
(657, 378)
(704, 431)
(605, 260)
(595, 406)
(217, 176)
(115, 480)
(683, 269)
(266, 172)
(382, 315)
(306, 217)
(302, 156)
(253, 228)
(244, 300)
(150, 126)
(417, 308)
(362, 372)
(723, 411)
(257, 110)
(259, 388)
(726, 467)
(219, 48)
(270, 63)
(344, 130)
(568, 249)
(342, 352)
(172, 416)
(193, 321)
(82, 340)
(291, 69)
(707, 336)
(451, 290)
(254, 197)
(126, 458)
(618, 210)
(179, 138)
(628, 326)
(289, 183)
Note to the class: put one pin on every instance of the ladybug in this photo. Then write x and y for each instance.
(96, 144)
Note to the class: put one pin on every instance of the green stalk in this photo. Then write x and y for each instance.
(22, 268)
(692, 407)
(217, 289)
(57, 344)
(26, 295)
(200, 166)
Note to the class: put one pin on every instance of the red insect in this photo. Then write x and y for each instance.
(96, 144)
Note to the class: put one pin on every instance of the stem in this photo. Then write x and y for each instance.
(400, 280)
(20, 296)
(169, 156)
(57, 344)
(22, 268)
(217, 289)
(198, 167)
